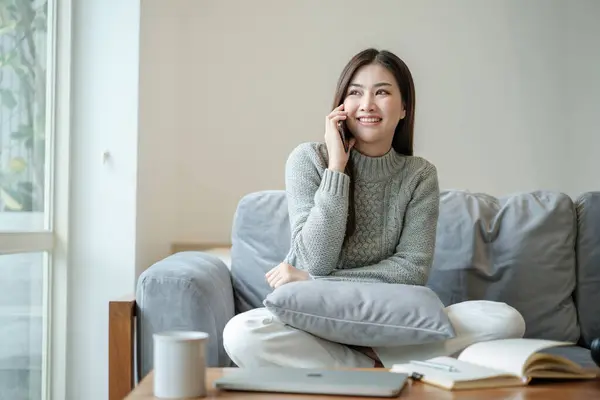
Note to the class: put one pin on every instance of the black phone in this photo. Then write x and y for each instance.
(344, 134)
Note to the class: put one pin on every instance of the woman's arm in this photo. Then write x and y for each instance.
(414, 253)
(318, 208)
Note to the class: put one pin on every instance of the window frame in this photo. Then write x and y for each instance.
(53, 239)
(60, 114)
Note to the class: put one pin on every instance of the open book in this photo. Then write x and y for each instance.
(497, 363)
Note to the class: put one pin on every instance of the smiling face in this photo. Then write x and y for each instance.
(374, 105)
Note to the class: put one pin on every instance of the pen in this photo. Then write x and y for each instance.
(430, 364)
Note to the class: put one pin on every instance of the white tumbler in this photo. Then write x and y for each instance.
(180, 364)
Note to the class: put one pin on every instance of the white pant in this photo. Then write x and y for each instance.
(258, 339)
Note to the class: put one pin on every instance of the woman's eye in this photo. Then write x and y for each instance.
(352, 93)
(382, 92)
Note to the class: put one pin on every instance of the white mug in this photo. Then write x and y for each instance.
(180, 364)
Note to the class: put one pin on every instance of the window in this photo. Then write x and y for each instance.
(21, 325)
(27, 196)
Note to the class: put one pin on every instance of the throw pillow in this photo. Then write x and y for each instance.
(362, 314)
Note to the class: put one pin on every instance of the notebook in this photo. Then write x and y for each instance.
(497, 363)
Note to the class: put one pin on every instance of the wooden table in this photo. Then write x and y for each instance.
(414, 390)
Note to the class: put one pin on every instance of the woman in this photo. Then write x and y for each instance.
(368, 213)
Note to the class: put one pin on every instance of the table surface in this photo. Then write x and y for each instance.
(588, 389)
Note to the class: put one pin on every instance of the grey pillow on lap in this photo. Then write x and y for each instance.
(362, 314)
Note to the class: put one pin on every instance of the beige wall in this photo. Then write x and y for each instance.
(231, 93)
(581, 104)
(228, 88)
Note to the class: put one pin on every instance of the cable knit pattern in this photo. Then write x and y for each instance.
(361, 248)
(396, 202)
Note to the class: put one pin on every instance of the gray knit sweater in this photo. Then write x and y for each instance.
(396, 203)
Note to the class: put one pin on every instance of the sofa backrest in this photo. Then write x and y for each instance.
(518, 249)
(260, 240)
(587, 294)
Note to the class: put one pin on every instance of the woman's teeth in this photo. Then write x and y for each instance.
(369, 120)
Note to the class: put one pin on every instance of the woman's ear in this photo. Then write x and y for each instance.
(403, 111)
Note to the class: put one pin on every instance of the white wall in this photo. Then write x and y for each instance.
(251, 80)
(103, 199)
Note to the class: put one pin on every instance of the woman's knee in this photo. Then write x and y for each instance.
(242, 334)
(510, 323)
(256, 339)
(233, 334)
(489, 320)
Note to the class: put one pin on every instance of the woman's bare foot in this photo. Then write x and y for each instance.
(368, 351)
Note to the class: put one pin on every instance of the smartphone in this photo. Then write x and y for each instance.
(344, 134)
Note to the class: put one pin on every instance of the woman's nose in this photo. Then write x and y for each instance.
(366, 103)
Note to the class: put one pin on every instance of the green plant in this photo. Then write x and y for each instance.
(23, 28)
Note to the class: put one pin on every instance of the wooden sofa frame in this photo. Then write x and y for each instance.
(121, 342)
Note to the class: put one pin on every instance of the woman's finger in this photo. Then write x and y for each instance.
(271, 271)
(273, 281)
(338, 118)
(341, 114)
(273, 276)
(281, 280)
(336, 113)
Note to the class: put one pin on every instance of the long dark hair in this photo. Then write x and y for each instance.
(403, 135)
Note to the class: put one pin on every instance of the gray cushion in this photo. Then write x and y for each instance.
(260, 241)
(362, 314)
(517, 249)
(588, 266)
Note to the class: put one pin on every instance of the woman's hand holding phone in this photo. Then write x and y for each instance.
(338, 157)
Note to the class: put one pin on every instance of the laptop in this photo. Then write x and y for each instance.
(313, 381)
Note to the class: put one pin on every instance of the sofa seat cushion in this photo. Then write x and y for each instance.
(518, 249)
(362, 314)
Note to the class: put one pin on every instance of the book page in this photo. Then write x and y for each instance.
(508, 355)
(466, 372)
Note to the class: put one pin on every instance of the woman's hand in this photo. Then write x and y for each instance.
(338, 158)
(285, 273)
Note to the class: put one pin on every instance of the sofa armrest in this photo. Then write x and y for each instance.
(184, 291)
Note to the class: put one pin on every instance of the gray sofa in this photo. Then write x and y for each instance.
(537, 251)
